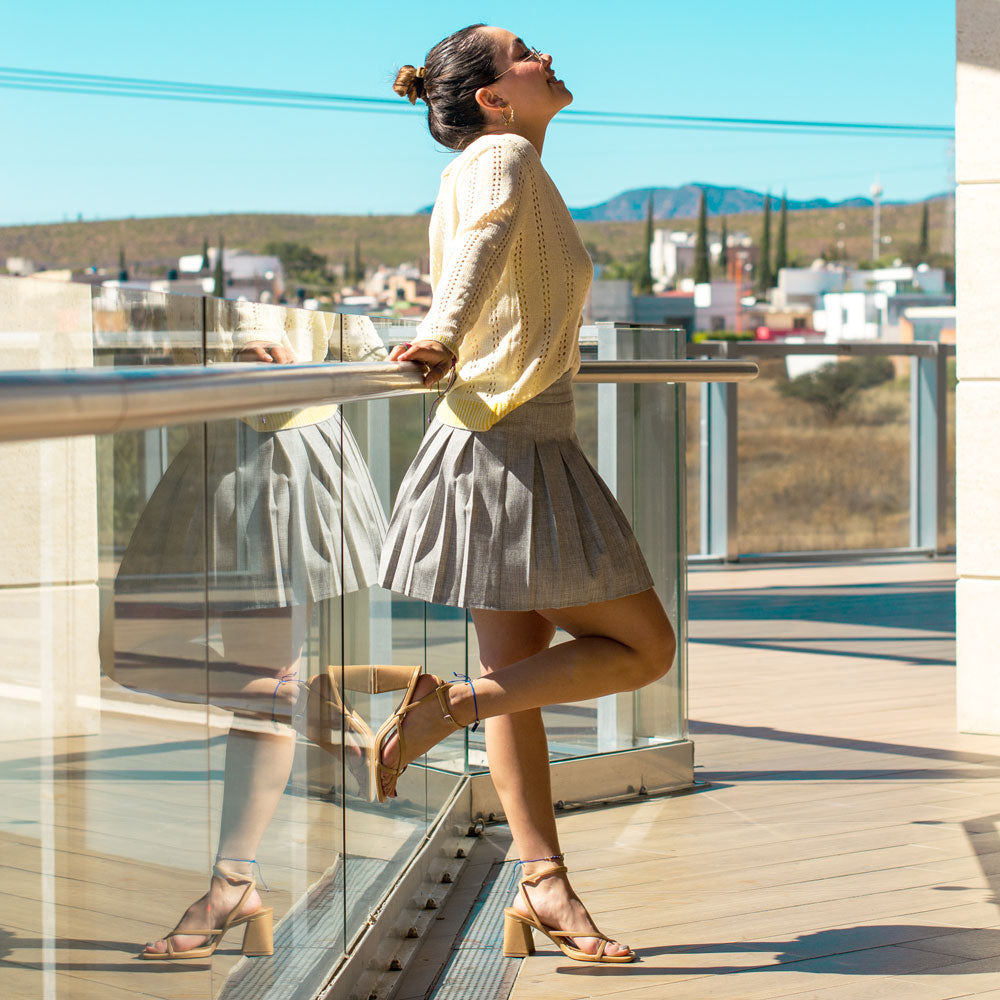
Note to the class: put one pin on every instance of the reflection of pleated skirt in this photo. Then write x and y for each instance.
(514, 518)
(288, 517)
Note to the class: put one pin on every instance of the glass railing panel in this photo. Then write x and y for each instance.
(105, 826)
(140, 327)
(824, 454)
(659, 496)
(631, 435)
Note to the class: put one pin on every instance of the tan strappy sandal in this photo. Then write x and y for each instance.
(318, 717)
(394, 725)
(258, 938)
(517, 927)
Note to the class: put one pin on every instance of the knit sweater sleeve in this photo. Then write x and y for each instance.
(489, 198)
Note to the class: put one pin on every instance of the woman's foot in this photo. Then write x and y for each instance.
(211, 911)
(559, 907)
(422, 728)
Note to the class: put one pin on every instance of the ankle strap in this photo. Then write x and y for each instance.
(239, 878)
(464, 678)
(554, 868)
(274, 712)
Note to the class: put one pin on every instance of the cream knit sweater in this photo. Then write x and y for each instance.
(510, 276)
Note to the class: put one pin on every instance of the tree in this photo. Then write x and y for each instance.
(122, 269)
(204, 255)
(923, 246)
(702, 273)
(724, 251)
(781, 251)
(644, 282)
(764, 280)
(834, 387)
(358, 270)
(220, 272)
(297, 258)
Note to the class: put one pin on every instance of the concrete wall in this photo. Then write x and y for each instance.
(977, 219)
(49, 671)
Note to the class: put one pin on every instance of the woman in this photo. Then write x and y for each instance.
(500, 511)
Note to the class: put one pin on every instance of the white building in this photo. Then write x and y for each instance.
(717, 306)
(252, 276)
(869, 315)
(671, 254)
(805, 286)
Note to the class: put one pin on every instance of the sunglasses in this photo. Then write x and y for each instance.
(530, 54)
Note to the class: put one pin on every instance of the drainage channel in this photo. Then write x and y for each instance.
(309, 940)
(476, 968)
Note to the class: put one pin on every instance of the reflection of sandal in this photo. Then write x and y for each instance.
(319, 713)
(258, 938)
(517, 942)
(394, 724)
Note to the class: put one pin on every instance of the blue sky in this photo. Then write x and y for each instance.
(110, 157)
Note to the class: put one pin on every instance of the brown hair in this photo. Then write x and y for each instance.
(447, 83)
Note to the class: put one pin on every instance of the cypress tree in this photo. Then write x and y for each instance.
(924, 245)
(702, 273)
(724, 251)
(122, 269)
(359, 269)
(781, 252)
(204, 255)
(644, 281)
(220, 272)
(763, 283)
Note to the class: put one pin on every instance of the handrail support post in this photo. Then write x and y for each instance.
(928, 450)
(719, 479)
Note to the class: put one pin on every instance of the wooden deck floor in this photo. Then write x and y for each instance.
(848, 846)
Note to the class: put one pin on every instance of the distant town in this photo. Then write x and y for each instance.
(712, 282)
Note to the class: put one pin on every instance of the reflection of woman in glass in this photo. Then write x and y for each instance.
(500, 511)
(258, 506)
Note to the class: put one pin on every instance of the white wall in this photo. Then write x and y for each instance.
(977, 237)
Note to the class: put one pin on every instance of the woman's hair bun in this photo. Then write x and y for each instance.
(410, 83)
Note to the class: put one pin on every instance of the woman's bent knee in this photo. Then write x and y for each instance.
(656, 655)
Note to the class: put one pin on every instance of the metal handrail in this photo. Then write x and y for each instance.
(56, 404)
(844, 348)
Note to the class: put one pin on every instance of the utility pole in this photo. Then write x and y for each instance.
(876, 221)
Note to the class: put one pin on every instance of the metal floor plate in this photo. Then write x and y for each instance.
(477, 969)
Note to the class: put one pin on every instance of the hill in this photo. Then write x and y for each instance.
(393, 239)
(682, 203)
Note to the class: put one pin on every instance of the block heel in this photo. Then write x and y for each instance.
(258, 938)
(517, 939)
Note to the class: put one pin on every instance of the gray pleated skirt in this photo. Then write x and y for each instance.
(512, 519)
(289, 517)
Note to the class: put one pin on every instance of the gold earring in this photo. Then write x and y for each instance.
(508, 121)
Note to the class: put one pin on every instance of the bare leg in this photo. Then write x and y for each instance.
(519, 765)
(258, 763)
(619, 645)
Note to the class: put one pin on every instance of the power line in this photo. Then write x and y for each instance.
(14, 78)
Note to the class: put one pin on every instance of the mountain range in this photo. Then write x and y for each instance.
(682, 203)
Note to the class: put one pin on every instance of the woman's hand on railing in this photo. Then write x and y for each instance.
(434, 357)
(266, 352)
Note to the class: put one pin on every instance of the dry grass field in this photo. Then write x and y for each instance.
(808, 484)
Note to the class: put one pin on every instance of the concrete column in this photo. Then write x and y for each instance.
(49, 669)
(977, 234)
